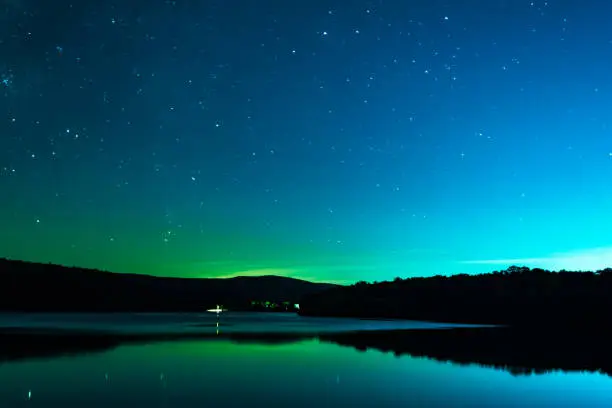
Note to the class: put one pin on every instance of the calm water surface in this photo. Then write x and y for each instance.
(300, 373)
(230, 322)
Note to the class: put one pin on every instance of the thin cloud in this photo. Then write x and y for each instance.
(309, 273)
(260, 272)
(580, 260)
(513, 261)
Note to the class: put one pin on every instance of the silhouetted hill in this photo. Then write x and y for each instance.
(518, 296)
(27, 286)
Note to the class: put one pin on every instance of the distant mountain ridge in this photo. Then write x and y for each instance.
(29, 286)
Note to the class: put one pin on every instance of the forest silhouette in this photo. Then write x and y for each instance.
(517, 296)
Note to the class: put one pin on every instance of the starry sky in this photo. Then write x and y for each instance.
(326, 140)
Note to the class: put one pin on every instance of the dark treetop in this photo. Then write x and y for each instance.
(516, 296)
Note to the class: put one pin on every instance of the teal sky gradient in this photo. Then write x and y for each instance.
(345, 142)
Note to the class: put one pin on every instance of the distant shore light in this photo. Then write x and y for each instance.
(217, 310)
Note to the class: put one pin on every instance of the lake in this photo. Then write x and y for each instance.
(229, 322)
(310, 362)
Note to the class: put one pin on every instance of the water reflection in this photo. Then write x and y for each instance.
(518, 352)
(298, 370)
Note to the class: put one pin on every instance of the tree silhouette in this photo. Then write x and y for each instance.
(515, 296)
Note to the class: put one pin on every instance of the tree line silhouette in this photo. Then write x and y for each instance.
(517, 296)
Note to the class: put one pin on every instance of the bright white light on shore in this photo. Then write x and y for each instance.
(217, 310)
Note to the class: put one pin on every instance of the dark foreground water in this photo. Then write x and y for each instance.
(296, 368)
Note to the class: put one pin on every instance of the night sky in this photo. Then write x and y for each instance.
(327, 140)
